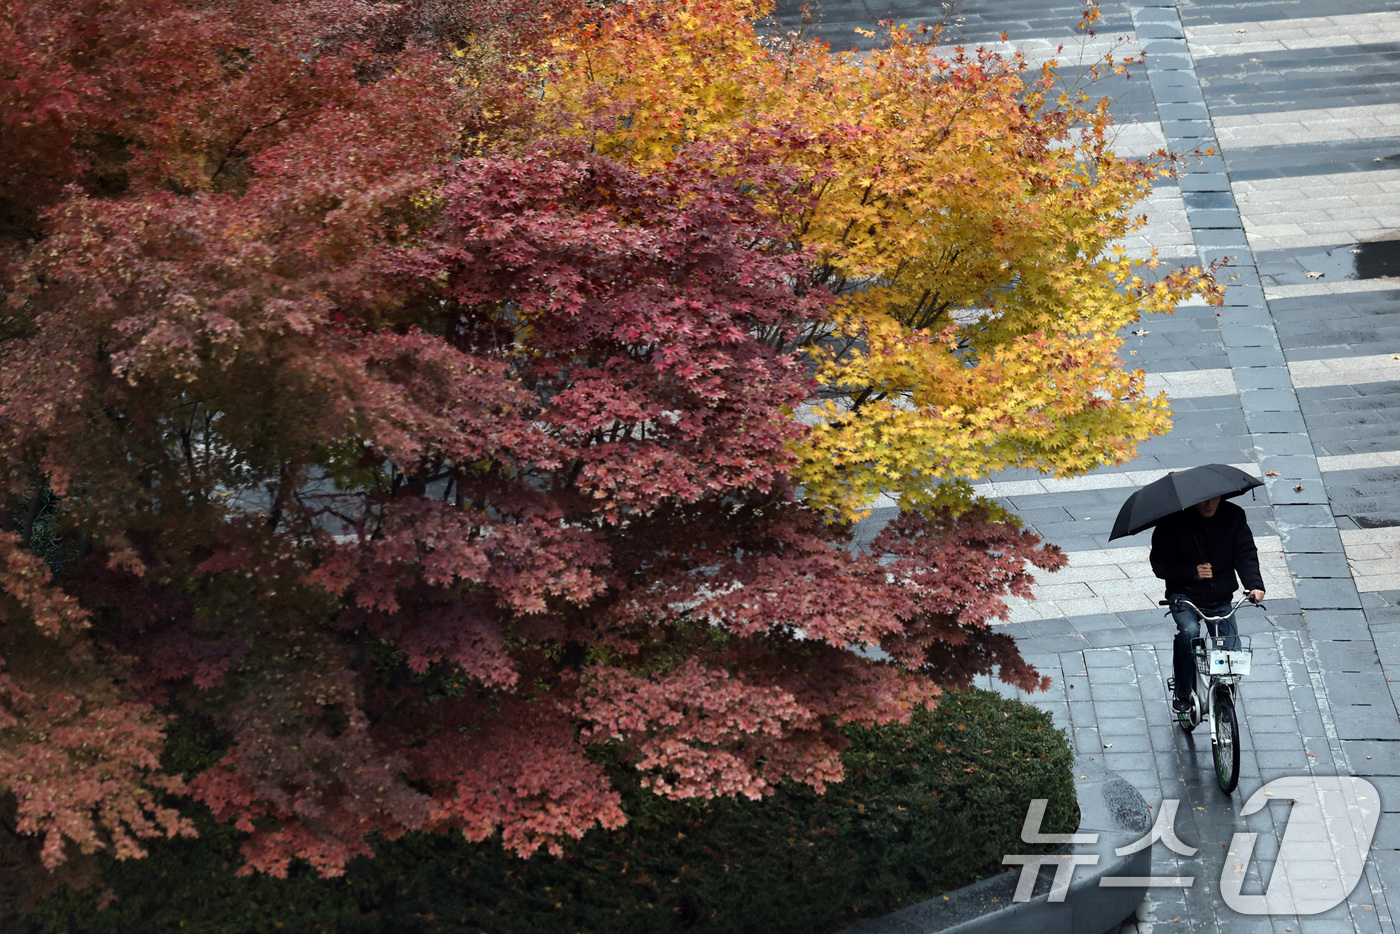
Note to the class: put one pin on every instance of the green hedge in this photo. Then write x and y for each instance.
(926, 807)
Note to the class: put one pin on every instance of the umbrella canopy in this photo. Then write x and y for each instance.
(1177, 491)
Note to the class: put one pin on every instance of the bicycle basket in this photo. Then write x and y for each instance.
(1223, 661)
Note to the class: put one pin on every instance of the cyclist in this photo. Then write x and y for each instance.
(1199, 552)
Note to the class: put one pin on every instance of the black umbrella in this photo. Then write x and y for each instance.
(1177, 491)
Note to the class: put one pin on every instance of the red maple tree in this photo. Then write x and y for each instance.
(414, 462)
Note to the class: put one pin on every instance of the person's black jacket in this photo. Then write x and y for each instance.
(1185, 539)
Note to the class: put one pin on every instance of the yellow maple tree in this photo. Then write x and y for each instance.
(964, 209)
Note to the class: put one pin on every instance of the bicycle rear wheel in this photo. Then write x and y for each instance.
(1225, 746)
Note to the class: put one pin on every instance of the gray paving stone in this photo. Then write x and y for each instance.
(1263, 377)
(1365, 721)
(1348, 687)
(1204, 165)
(1274, 422)
(1015, 630)
(1314, 733)
(1292, 491)
(1275, 606)
(1246, 294)
(1355, 628)
(1254, 624)
(1268, 400)
(1258, 724)
(1291, 467)
(1256, 690)
(1145, 781)
(1326, 594)
(1048, 627)
(1228, 218)
(1261, 706)
(1319, 565)
(1241, 356)
(1337, 618)
(1115, 691)
(1105, 638)
(1283, 444)
(1106, 659)
(1132, 748)
(1327, 926)
(1159, 30)
(1232, 242)
(1208, 404)
(1283, 762)
(1119, 717)
(1293, 517)
(1081, 705)
(1388, 787)
(1115, 675)
(1286, 741)
(1086, 739)
(1146, 621)
(1058, 643)
(1251, 314)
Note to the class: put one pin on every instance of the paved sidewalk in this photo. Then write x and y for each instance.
(1296, 375)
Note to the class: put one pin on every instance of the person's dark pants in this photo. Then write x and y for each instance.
(1188, 627)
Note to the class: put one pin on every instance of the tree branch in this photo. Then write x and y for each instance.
(31, 516)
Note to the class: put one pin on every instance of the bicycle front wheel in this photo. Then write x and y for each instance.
(1225, 747)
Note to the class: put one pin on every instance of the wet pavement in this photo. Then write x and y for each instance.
(1296, 380)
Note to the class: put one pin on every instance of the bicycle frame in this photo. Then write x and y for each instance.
(1210, 684)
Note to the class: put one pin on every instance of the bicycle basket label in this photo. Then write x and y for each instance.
(1229, 663)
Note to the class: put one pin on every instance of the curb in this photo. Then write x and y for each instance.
(1108, 806)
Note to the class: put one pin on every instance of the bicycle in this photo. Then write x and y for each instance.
(1219, 669)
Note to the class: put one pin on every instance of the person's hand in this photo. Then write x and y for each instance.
(1256, 596)
(1203, 572)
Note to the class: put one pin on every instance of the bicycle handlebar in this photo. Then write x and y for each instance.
(1211, 619)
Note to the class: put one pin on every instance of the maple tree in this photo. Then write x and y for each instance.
(409, 451)
(964, 211)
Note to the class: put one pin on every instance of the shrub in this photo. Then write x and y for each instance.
(926, 807)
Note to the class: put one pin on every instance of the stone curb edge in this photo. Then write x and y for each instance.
(1108, 805)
